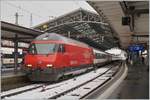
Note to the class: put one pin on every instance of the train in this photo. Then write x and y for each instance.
(51, 56)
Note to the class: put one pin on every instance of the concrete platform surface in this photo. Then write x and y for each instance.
(10, 80)
(135, 85)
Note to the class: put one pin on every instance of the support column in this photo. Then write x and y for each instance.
(69, 34)
(16, 53)
(147, 59)
(81, 16)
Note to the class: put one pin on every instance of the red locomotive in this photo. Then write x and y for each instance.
(50, 56)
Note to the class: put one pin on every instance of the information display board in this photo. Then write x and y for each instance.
(136, 47)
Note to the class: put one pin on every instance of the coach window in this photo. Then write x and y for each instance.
(103, 56)
(97, 56)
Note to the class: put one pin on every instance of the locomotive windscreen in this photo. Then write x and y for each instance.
(42, 48)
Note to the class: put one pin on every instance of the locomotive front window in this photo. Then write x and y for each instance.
(42, 48)
(45, 48)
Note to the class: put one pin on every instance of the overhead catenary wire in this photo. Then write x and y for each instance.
(27, 11)
(30, 13)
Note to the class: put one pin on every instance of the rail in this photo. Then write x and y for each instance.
(66, 89)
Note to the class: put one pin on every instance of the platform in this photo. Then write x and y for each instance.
(10, 80)
(135, 85)
(9, 72)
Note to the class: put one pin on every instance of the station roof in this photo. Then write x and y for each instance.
(9, 31)
(82, 25)
(138, 7)
(113, 11)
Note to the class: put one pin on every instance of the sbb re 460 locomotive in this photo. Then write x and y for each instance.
(51, 56)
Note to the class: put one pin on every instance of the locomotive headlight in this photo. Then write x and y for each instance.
(29, 65)
(49, 65)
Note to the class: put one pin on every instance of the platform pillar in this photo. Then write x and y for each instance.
(69, 34)
(16, 53)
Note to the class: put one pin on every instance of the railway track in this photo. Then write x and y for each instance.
(77, 87)
(20, 90)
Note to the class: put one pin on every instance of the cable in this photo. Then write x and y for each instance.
(13, 5)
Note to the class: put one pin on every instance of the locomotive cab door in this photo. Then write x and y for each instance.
(62, 55)
(61, 48)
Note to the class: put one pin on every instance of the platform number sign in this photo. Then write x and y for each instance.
(136, 48)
